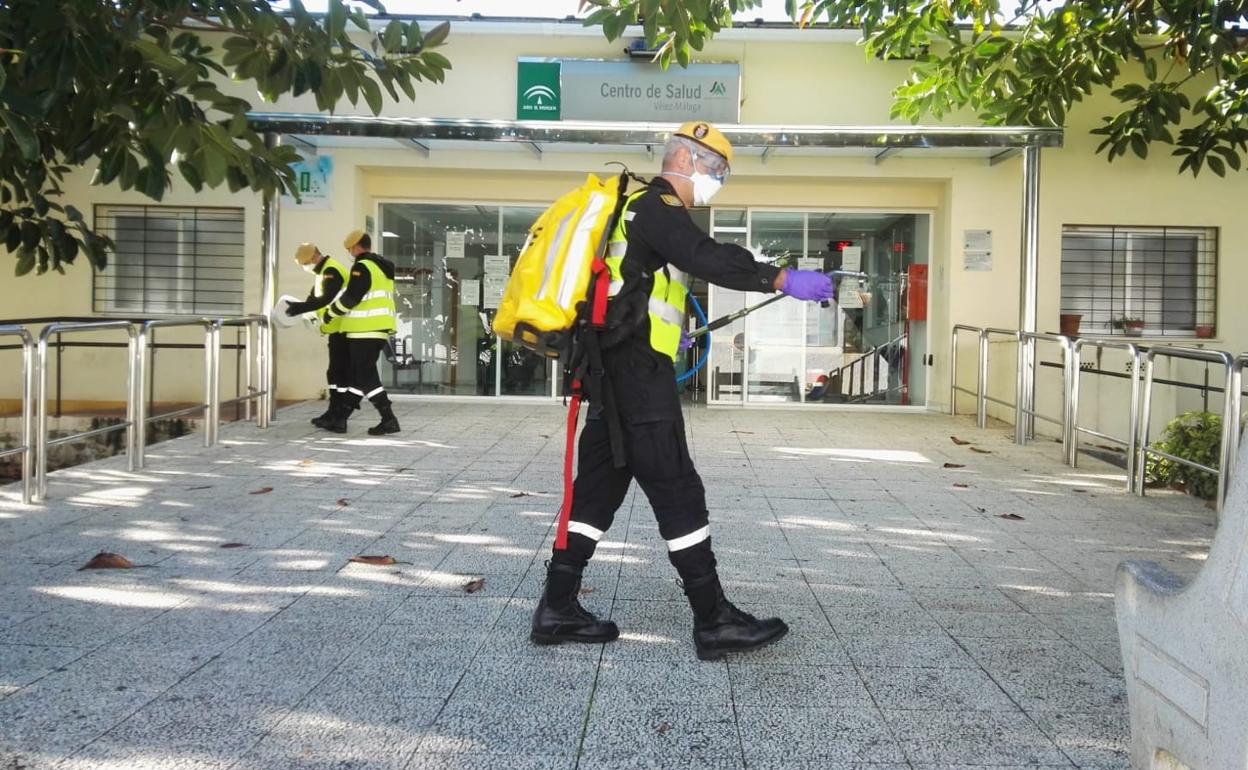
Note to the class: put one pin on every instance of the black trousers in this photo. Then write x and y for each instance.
(338, 375)
(363, 380)
(658, 458)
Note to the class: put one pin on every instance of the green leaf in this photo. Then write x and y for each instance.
(25, 262)
(437, 36)
(372, 94)
(22, 133)
(392, 38)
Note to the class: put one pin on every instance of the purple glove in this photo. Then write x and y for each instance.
(807, 285)
(686, 342)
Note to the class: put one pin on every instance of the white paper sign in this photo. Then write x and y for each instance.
(851, 258)
(497, 265)
(810, 263)
(493, 287)
(847, 294)
(455, 244)
(977, 250)
(470, 293)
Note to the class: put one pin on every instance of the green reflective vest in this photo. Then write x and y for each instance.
(667, 297)
(330, 265)
(373, 317)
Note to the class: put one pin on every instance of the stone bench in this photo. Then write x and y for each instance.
(1185, 651)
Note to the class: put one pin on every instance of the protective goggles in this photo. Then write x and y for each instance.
(712, 165)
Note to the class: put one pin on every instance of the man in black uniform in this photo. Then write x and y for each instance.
(366, 309)
(331, 277)
(652, 248)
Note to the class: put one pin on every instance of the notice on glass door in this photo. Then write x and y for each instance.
(455, 242)
(977, 250)
(470, 293)
(851, 258)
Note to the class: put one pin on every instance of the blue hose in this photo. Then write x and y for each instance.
(706, 346)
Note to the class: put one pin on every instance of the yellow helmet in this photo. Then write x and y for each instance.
(353, 237)
(307, 254)
(708, 136)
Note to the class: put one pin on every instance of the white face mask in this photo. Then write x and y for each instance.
(309, 268)
(704, 186)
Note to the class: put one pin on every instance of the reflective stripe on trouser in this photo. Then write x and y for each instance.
(338, 375)
(658, 457)
(364, 380)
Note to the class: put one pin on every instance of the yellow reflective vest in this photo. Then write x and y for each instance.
(373, 317)
(666, 307)
(330, 265)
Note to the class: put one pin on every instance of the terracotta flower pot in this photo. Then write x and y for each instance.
(1070, 324)
(1204, 331)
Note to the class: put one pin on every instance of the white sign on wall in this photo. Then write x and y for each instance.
(314, 179)
(977, 250)
(455, 241)
(470, 292)
(851, 258)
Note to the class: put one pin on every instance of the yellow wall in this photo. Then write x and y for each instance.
(802, 79)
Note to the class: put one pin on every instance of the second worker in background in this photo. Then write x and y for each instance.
(366, 309)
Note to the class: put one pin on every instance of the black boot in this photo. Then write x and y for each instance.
(319, 420)
(336, 422)
(720, 627)
(389, 423)
(560, 616)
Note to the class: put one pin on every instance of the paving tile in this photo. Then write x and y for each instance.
(771, 734)
(1099, 740)
(675, 735)
(441, 761)
(994, 625)
(973, 737)
(631, 684)
(925, 651)
(804, 686)
(935, 689)
(502, 728)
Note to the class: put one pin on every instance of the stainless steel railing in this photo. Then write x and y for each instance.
(26, 447)
(41, 397)
(1133, 413)
(1233, 376)
(1142, 382)
(36, 439)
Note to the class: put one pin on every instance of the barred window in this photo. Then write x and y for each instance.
(171, 260)
(1117, 277)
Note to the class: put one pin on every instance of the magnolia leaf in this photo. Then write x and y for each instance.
(1011, 517)
(472, 586)
(379, 561)
(977, 450)
(342, 502)
(958, 441)
(953, 465)
(232, 545)
(261, 491)
(106, 560)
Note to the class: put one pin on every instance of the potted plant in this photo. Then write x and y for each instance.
(1130, 326)
(1196, 437)
(1204, 331)
(1070, 324)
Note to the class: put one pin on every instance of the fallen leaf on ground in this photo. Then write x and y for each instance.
(958, 441)
(378, 560)
(305, 462)
(233, 545)
(261, 491)
(662, 728)
(342, 502)
(981, 451)
(521, 494)
(954, 465)
(980, 510)
(1011, 517)
(105, 560)
(1081, 491)
(472, 586)
(746, 432)
(193, 489)
(587, 590)
(960, 485)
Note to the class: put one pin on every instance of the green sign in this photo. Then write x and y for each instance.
(538, 93)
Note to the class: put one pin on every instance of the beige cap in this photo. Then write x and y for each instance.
(352, 239)
(307, 253)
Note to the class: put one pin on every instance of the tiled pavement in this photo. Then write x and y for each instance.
(927, 631)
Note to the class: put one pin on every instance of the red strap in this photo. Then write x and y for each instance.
(602, 284)
(565, 511)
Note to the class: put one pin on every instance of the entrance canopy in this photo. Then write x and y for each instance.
(427, 135)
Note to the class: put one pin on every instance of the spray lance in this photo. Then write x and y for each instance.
(723, 321)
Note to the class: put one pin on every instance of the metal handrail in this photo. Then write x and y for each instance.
(981, 407)
(1018, 385)
(1230, 413)
(1027, 405)
(211, 378)
(41, 369)
(1133, 421)
(26, 449)
(262, 395)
